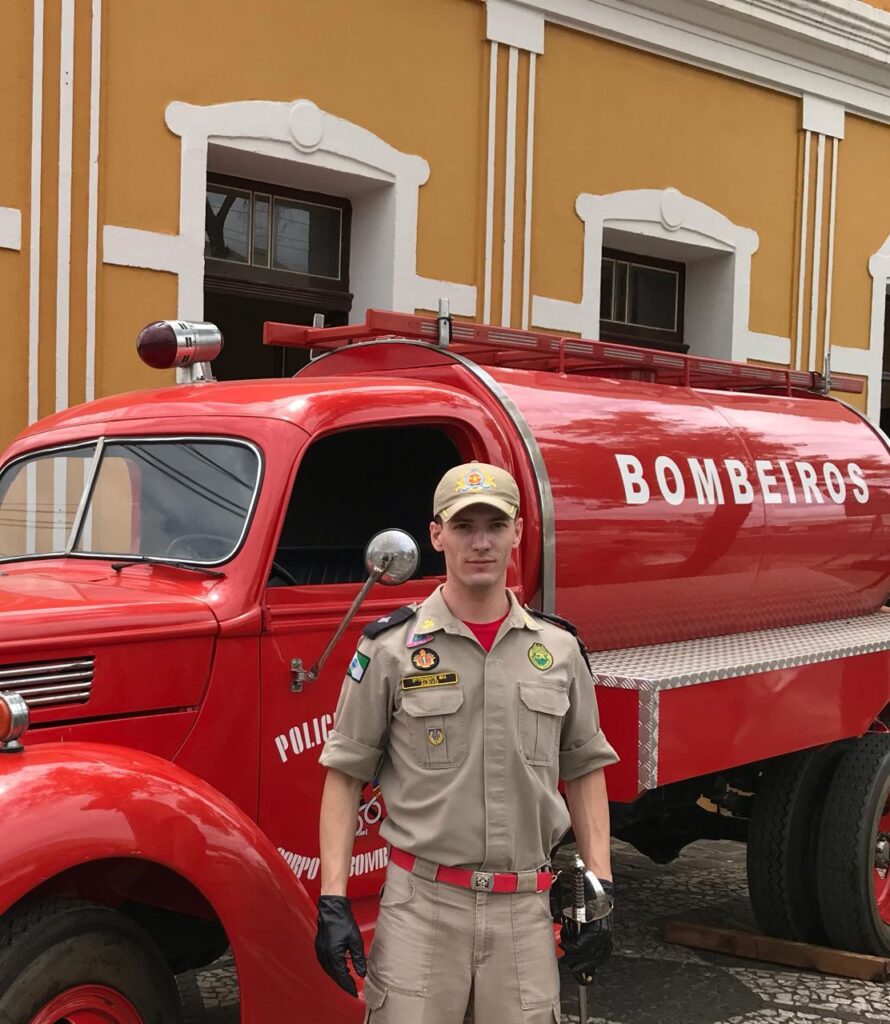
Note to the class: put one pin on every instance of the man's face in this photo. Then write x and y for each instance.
(477, 543)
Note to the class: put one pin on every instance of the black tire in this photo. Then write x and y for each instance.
(193, 1009)
(782, 838)
(856, 801)
(50, 947)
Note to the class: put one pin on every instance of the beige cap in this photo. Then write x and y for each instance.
(476, 483)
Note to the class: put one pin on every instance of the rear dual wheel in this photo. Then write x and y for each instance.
(70, 962)
(853, 868)
(782, 841)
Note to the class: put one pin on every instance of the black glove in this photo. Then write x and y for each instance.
(593, 946)
(337, 932)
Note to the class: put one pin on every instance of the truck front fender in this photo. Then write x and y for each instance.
(65, 805)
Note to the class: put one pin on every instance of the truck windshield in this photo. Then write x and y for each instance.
(183, 499)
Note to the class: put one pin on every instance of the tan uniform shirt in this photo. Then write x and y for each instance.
(470, 746)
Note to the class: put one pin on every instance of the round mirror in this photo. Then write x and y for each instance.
(394, 554)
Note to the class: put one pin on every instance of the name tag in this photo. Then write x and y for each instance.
(423, 682)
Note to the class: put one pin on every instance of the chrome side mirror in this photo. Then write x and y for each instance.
(392, 557)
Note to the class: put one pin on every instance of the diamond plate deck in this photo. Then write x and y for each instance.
(710, 659)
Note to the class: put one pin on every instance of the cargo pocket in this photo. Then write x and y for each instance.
(542, 708)
(401, 956)
(374, 996)
(436, 726)
(535, 950)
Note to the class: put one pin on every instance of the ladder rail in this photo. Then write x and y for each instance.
(489, 345)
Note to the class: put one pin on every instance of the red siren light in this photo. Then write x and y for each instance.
(166, 344)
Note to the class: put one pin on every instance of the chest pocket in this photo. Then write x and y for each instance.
(437, 727)
(541, 711)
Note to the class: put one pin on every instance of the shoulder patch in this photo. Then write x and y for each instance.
(381, 625)
(570, 627)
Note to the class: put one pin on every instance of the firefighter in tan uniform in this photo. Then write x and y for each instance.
(469, 709)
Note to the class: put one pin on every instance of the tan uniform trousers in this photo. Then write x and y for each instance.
(445, 955)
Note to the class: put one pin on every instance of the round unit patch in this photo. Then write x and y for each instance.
(424, 659)
(540, 657)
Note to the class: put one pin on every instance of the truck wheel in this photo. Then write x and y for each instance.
(193, 1010)
(66, 961)
(854, 850)
(782, 837)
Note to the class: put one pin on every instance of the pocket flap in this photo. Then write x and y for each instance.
(438, 700)
(374, 994)
(537, 697)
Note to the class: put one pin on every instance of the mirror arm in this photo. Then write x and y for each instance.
(300, 675)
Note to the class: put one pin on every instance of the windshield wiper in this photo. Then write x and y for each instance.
(152, 560)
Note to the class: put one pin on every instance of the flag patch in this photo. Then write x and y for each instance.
(357, 666)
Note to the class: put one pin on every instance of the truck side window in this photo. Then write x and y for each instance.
(352, 484)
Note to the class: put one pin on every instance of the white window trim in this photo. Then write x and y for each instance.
(383, 254)
(669, 215)
(868, 362)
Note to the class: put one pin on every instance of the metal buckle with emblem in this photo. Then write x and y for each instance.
(483, 881)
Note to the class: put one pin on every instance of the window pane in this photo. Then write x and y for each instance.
(607, 276)
(226, 224)
(619, 309)
(653, 298)
(261, 231)
(306, 238)
(39, 498)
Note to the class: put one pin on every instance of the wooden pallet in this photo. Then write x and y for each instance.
(752, 946)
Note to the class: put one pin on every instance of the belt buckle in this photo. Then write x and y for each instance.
(482, 881)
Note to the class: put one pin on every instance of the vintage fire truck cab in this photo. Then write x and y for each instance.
(172, 560)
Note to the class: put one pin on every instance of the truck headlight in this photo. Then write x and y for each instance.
(15, 718)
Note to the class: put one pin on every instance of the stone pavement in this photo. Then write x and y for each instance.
(648, 981)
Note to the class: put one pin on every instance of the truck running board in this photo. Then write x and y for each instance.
(776, 683)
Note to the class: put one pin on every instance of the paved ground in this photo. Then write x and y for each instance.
(650, 982)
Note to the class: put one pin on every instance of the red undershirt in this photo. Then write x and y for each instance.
(485, 632)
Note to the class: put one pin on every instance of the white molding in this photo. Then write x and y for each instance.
(829, 275)
(509, 188)
(382, 182)
(10, 228)
(63, 249)
(718, 257)
(868, 362)
(818, 203)
(822, 116)
(802, 269)
(728, 36)
(514, 24)
(34, 229)
(93, 203)
(769, 348)
(529, 193)
(489, 179)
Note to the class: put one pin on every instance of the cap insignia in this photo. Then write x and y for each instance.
(473, 481)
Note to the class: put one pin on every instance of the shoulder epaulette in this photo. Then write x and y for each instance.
(556, 620)
(570, 627)
(381, 625)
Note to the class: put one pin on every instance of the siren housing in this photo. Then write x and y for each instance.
(187, 346)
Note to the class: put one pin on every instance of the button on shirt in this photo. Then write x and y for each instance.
(470, 746)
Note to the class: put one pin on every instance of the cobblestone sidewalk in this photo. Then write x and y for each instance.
(648, 981)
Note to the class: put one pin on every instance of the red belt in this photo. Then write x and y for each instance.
(466, 878)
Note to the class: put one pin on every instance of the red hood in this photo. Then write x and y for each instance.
(46, 603)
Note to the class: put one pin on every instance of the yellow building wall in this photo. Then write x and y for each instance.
(611, 118)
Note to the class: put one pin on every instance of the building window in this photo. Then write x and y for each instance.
(641, 300)
(276, 243)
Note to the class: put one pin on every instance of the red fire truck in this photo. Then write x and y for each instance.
(177, 565)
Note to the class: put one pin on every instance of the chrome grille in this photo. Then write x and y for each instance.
(50, 683)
